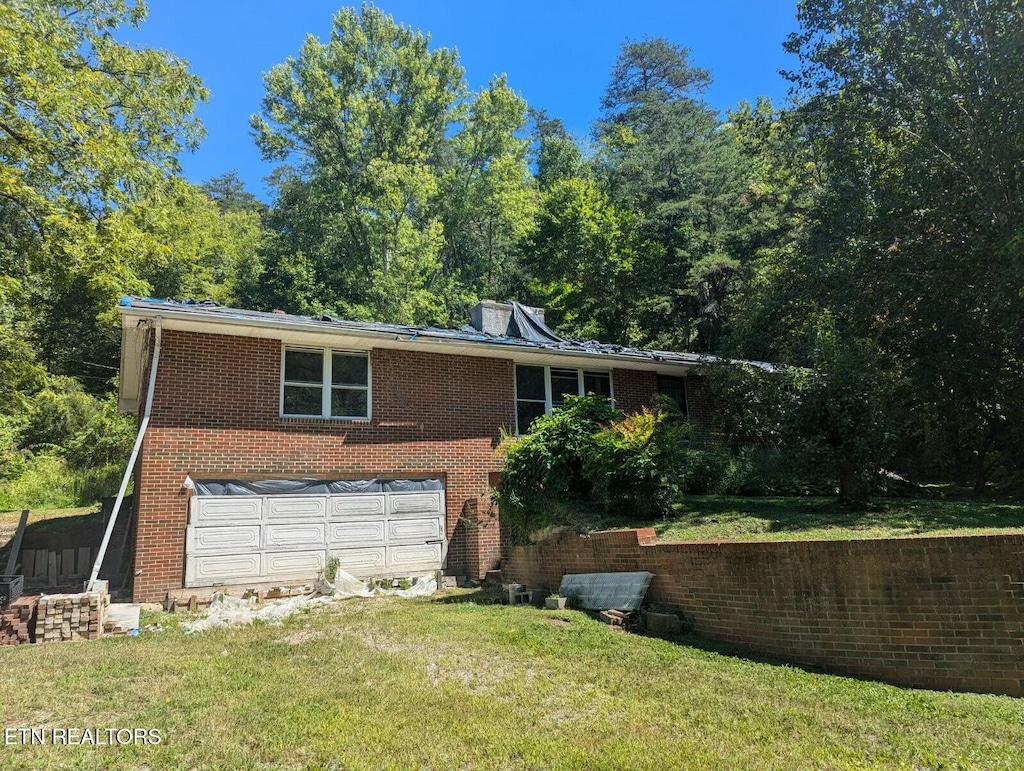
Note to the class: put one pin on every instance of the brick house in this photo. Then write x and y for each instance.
(275, 440)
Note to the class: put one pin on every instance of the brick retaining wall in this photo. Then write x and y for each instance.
(942, 613)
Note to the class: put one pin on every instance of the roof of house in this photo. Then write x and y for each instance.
(538, 345)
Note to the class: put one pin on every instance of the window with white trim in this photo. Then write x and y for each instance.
(325, 383)
(539, 390)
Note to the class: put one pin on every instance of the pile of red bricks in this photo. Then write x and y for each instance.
(18, 621)
(71, 616)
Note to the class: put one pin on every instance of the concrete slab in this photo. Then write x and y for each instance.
(124, 614)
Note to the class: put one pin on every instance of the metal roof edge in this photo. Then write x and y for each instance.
(415, 336)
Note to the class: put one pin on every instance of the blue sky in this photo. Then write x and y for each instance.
(557, 54)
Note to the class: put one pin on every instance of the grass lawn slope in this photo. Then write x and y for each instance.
(454, 682)
(734, 518)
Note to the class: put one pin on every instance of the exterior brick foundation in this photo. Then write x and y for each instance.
(942, 613)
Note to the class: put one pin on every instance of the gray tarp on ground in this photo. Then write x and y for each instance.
(605, 591)
(313, 486)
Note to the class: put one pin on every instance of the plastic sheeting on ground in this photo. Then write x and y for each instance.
(345, 585)
(227, 611)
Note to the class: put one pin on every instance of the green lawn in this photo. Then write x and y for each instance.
(734, 518)
(455, 682)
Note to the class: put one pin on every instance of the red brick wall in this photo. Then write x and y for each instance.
(944, 613)
(635, 389)
(215, 414)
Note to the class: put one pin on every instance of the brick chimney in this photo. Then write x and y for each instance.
(495, 318)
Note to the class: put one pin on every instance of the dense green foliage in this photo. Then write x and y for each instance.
(868, 236)
(589, 452)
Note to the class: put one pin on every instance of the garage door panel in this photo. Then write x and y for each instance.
(294, 535)
(361, 562)
(226, 510)
(293, 564)
(424, 556)
(353, 534)
(413, 504)
(223, 540)
(415, 530)
(205, 570)
(236, 539)
(359, 506)
(295, 508)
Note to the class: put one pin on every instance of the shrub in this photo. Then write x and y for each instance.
(106, 439)
(45, 483)
(57, 413)
(645, 461)
(545, 466)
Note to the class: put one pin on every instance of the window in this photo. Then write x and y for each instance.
(675, 389)
(323, 383)
(542, 389)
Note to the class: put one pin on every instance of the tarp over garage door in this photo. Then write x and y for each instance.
(287, 537)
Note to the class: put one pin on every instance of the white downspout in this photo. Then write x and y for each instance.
(131, 461)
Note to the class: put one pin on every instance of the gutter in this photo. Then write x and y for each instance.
(157, 328)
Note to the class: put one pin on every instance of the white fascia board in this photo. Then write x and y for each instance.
(129, 381)
(311, 333)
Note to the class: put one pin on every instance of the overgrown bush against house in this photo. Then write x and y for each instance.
(642, 462)
(590, 453)
(544, 467)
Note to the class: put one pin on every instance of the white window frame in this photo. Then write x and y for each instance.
(548, 407)
(327, 387)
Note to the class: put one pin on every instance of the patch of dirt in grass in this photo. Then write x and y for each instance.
(301, 636)
(477, 673)
(558, 622)
(376, 641)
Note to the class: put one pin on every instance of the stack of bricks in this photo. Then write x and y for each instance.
(71, 616)
(18, 621)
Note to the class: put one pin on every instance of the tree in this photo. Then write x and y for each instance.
(87, 125)
(664, 155)
(826, 418)
(489, 201)
(556, 154)
(580, 260)
(228, 191)
(364, 117)
(916, 111)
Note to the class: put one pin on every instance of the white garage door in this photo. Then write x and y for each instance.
(264, 538)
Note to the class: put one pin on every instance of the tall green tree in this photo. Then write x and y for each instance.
(489, 199)
(917, 114)
(664, 155)
(363, 117)
(556, 154)
(87, 125)
(580, 259)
